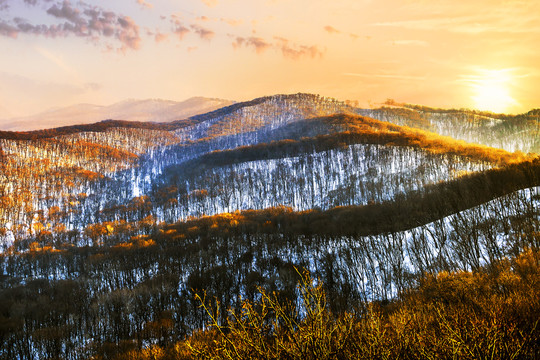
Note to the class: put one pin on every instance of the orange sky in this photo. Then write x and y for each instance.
(475, 53)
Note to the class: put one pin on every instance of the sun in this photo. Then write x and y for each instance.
(492, 90)
(492, 97)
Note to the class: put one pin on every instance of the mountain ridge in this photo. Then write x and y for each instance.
(146, 110)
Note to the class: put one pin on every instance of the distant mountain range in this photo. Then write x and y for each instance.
(155, 110)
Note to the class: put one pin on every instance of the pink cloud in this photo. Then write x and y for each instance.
(256, 43)
(331, 30)
(129, 33)
(145, 4)
(178, 27)
(8, 30)
(210, 3)
(296, 51)
(232, 22)
(287, 48)
(82, 20)
(159, 37)
(204, 33)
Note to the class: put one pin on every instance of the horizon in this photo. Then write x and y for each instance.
(370, 105)
(438, 54)
(66, 106)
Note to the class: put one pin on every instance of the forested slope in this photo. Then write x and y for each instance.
(136, 285)
(134, 172)
(510, 132)
(110, 230)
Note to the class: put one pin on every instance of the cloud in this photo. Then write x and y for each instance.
(35, 2)
(8, 30)
(232, 22)
(331, 30)
(4, 5)
(83, 20)
(204, 33)
(257, 43)
(129, 34)
(66, 11)
(287, 48)
(295, 51)
(159, 37)
(144, 4)
(210, 3)
(228, 21)
(301, 51)
(179, 29)
(238, 42)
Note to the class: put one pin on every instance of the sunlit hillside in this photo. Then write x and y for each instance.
(318, 229)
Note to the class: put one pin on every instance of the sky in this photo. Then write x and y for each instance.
(480, 54)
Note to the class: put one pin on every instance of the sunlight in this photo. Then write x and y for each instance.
(491, 89)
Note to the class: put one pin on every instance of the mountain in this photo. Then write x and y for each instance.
(156, 110)
(109, 231)
(150, 110)
(301, 150)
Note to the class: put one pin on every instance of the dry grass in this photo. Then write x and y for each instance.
(490, 314)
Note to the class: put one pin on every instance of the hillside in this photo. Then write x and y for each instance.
(110, 230)
(356, 161)
(509, 132)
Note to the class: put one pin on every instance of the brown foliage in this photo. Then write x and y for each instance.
(404, 213)
(493, 313)
(353, 129)
(96, 127)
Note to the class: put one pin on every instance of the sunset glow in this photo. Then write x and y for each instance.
(479, 54)
(492, 91)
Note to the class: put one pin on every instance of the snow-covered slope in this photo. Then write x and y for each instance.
(512, 133)
(354, 175)
(122, 173)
